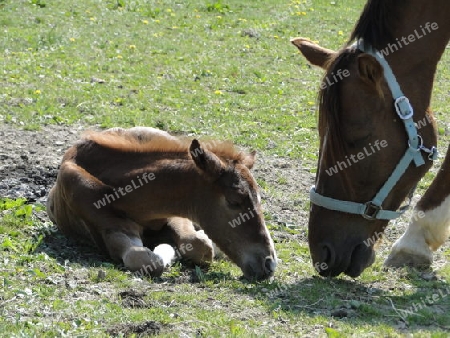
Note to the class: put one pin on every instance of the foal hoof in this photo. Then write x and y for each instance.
(143, 261)
(401, 258)
(202, 249)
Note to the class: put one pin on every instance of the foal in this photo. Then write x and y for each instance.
(128, 190)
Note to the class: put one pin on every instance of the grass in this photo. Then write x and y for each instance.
(192, 67)
(224, 69)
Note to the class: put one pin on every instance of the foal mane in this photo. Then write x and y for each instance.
(159, 143)
(377, 22)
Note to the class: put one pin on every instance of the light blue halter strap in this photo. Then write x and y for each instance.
(373, 209)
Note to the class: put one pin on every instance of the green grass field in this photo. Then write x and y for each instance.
(221, 69)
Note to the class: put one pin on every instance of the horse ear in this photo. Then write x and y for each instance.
(249, 159)
(314, 53)
(371, 72)
(205, 160)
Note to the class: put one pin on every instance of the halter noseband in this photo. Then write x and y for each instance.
(373, 209)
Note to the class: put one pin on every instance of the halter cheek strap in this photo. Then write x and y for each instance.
(373, 209)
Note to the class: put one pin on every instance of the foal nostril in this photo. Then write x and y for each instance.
(270, 265)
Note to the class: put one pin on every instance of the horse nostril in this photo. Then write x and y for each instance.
(270, 265)
(328, 255)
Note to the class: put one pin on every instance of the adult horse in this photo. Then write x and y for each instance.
(131, 190)
(375, 144)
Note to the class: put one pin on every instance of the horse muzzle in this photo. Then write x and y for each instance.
(331, 262)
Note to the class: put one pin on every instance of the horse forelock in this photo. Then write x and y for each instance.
(123, 141)
(330, 109)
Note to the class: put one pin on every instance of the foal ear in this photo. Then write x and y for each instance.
(315, 54)
(371, 72)
(205, 160)
(249, 159)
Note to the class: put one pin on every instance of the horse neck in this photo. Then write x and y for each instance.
(416, 61)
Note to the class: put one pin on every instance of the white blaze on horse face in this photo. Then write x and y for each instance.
(426, 233)
(258, 197)
(250, 257)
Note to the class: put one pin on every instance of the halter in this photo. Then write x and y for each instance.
(373, 209)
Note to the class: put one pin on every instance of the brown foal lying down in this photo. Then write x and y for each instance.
(129, 190)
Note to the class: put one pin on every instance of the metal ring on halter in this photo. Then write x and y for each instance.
(371, 211)
(433, 153)
(420, 146)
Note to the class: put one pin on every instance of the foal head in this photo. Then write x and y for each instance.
(230, 210)
(361, 141)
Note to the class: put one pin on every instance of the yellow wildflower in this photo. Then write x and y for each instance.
(218, 92)
(145, 22)
(37, 92)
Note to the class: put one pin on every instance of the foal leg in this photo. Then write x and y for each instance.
(123, 242)
(430, 224)
(119, 236)
(191, 244)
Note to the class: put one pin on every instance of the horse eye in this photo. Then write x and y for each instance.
(360, 142)
(233, 204)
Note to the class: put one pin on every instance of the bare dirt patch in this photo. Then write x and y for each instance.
(149, 328)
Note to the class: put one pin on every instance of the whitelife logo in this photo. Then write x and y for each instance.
(404, 41)
(355, 158)
(123, 191)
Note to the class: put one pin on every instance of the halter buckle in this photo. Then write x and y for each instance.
(403, 107)
(371, 211)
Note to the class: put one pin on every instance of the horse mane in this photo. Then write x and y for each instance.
(159, 143)
(378, 22)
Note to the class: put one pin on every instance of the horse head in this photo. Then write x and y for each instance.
(362, 140)
(231, 213)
